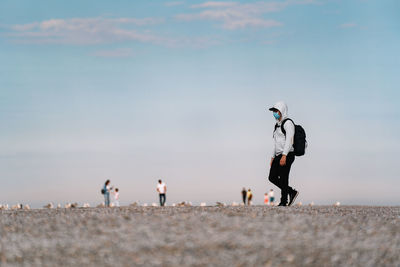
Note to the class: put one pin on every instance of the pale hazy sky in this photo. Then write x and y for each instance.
(135, 91)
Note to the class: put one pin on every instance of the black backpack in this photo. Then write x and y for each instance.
(103, 191)
(299, 139)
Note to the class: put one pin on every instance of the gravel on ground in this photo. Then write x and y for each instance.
(202, 236)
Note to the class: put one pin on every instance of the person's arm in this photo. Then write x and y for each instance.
(289, 128)
(273, 152)
(165, 189)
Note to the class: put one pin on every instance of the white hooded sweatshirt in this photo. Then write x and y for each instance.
(283, 145)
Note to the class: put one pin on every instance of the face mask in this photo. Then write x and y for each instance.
(276, 115)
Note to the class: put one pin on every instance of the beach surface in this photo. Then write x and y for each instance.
(202, 236)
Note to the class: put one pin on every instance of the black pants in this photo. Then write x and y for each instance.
(279, 175)
(162, 199)
(244, 198)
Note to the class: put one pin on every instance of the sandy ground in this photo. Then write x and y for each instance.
(199, 236)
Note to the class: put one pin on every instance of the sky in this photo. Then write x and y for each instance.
(136, 91)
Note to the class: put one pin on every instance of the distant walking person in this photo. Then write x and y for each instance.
(116, 197)
(249, 197)
(106, 192)
(162, 190)
(244, 195)
(271, 197)
(283, 153)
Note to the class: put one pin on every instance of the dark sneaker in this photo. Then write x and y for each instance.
(293, 196)
(282, 204)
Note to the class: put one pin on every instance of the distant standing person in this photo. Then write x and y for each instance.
(244, 195)
(266, 198)
(116, 197)
(283, 153)
(106, 192)
(162, 190)
(271, 197)
(249, 197)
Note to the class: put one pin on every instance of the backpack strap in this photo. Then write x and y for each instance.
(283, 128)
(276, 127)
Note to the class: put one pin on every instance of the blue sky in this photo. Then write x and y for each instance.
(135, 91)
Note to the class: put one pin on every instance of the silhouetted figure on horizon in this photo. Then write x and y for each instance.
(162, 190)
(106, 192)
(244, 195)
(271, 197)
(116, 197)
(249, 197)
(266, 198)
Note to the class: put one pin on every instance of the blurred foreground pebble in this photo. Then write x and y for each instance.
(191, 236)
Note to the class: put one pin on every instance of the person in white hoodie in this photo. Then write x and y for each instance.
(282, 154)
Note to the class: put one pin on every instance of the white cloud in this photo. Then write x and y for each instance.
(25, 27)
(250, 22)
(94, 31)
(348, 25)
(235, 15)
(214, 4)
(85, 31)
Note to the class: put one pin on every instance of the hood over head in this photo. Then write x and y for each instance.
(282, 107)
